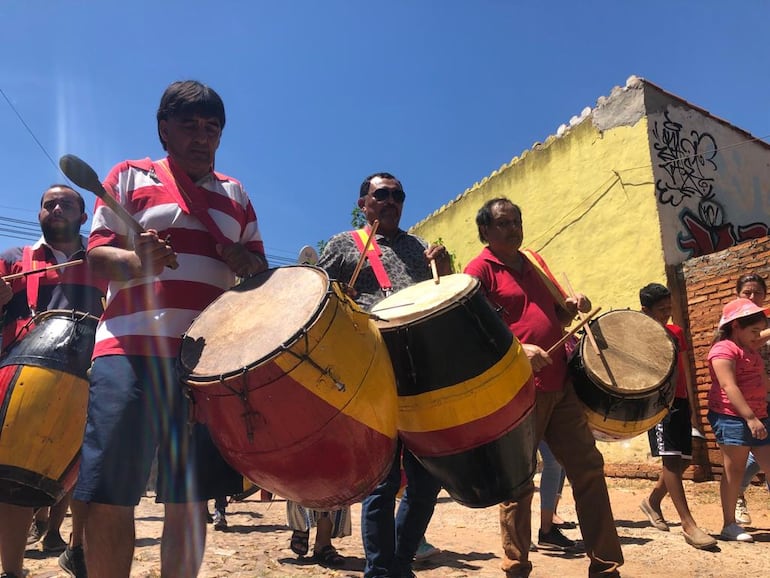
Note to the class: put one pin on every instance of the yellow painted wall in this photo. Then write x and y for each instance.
(589, 207)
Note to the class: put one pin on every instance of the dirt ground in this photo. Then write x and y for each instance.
(257, 543)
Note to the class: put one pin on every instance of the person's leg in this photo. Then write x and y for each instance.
(73, 559)
(53, 542)
(414, 512)
(14, 524)
(573, 444)
(742, 515)
(183, 540)
(220, 514)
(550, 478)
(734, 461)
(109, 535)
(378, 526)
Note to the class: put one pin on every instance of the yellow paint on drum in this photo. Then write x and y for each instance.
(466, 401)
(614, 429)
(348, 346)
(44, 422)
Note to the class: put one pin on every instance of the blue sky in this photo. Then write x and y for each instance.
(320, 93)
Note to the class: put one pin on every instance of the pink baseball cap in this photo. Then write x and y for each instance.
(738, 308)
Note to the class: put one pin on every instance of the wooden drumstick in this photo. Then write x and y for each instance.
(362, 258)
(434, 271)
(43, 269)
(581, 316)
(586, 318)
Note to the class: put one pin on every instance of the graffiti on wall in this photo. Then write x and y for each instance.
(689, 167)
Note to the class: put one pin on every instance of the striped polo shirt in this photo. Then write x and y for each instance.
(147, 316)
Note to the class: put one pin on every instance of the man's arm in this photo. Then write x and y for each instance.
(148, 258)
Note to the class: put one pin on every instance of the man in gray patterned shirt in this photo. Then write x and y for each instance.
(390, 539)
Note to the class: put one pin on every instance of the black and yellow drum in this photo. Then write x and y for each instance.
(465, 389)
(296, 386)
(630, 386)
(44, 392)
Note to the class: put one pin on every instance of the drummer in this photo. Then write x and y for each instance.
(535, 309)
(395, 260)
(136, 403)
(62, 213)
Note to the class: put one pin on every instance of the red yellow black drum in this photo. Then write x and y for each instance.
(44, 392)
(629, 387)
(465, 389)
(296, 386)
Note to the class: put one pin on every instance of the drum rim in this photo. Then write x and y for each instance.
(184, 372)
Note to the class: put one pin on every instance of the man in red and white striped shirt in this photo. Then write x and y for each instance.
(201, 233)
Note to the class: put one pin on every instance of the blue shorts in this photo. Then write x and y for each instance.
(137, 405)
(732, 430)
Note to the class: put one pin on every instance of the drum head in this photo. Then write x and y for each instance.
(637, 353)
(423, 299)
(251, 321)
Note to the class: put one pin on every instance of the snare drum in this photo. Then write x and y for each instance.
(465, 389)
(296, 386)
(629, 388)
(44, 392)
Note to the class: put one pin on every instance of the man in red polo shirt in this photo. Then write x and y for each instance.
(534, 307)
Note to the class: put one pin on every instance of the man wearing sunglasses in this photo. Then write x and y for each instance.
(395, 261)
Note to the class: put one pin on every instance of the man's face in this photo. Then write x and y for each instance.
(192, 142)
(60, 215)
(660, 311)
(505, 233)
(387, 210)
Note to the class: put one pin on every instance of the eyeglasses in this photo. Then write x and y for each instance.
(382, 195)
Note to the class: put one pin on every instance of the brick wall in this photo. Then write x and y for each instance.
(702, 286)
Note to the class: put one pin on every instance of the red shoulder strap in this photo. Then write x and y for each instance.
(28, 263)
(361, 236)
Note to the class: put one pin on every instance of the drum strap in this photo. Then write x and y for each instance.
(361, 236)
(190, 197)
(546, 277)
(29, 261)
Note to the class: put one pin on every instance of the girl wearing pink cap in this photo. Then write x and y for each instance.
(737, 406)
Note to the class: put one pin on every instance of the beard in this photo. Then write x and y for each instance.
(59, 232)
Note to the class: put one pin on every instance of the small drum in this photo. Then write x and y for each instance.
(629, 388)
(44, 392)
(296, 387)
(465, 389)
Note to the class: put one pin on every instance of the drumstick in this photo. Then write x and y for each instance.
(434, 272)
(83, 175)
(43, 269)
(589, 333)
(586, 318)
(362, 258)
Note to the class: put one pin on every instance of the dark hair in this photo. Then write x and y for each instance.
(750, 278)
(364, 190)
(484, 214)
(81, 202)
(726, 331)
(650, 294)
(188, 98)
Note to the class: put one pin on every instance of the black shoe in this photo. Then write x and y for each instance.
(220, 521)
(73, 562)
(53, 542)
(554, 539)
(36, 532)
(7, 575)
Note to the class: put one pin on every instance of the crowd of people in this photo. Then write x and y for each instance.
(200, 234)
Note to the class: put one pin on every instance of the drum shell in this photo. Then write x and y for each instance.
(44, 391)
(465, 399)
(614, 414)
(323, 440)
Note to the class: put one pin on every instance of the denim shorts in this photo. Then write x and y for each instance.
(731, 430)
(137, 405)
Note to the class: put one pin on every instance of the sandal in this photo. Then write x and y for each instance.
(329, 557)
(299, 542)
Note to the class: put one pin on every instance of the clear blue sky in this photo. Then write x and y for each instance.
(320, 93)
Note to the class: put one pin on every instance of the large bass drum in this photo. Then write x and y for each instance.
(465, 389)
(44, 392)
(629, 387)
(295, 385)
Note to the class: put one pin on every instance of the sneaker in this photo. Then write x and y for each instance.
(7, 575)
(742, 515)
(735, 533)
(36, 531)
(555, 540)
(73, 562)
(655, 517)
(220, 521)
(53, 542)
(425, 550)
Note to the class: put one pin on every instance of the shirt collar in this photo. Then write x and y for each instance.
(41, 242)
(211, 176)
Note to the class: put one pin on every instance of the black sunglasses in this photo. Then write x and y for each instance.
(383, 194)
